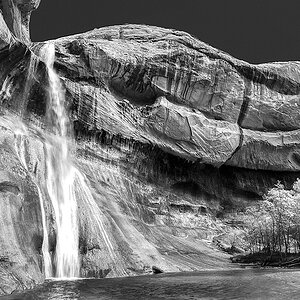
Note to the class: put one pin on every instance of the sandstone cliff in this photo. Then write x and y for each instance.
(171, 134)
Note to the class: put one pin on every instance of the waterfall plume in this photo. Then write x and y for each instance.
(60, 175)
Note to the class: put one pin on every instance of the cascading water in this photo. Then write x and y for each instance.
(64, 181)
(60, 175)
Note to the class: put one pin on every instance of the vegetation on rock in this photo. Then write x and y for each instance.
(272, 227)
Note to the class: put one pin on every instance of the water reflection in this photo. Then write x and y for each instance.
(231, 284)
(63, 290)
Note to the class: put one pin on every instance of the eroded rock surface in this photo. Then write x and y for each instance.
(184, 96)
(15, 15)
(171, 135)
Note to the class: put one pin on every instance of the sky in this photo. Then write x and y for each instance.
(256, 31)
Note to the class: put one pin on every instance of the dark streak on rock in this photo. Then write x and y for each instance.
(272, 80)
(10, 187)
(239, 146)
(150, 163)
(245, 104)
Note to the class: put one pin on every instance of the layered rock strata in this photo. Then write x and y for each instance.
(171, 135)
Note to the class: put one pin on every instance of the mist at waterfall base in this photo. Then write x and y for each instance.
(231, 284)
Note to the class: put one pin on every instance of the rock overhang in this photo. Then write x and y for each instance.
(136, 65)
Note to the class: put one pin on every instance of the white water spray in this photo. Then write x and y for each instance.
(61, 175)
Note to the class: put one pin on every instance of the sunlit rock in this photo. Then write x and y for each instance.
(169, 135)
(16, 14)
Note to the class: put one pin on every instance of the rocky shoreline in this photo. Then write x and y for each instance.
(275, 260)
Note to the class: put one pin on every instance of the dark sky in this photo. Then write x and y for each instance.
(256, 30)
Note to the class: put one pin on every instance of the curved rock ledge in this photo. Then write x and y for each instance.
(171, 135)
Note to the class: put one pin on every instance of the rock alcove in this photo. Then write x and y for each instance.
(171, 135)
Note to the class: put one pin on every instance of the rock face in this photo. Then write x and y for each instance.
(21, 234)
(186, 97)
(171, 135)
(16, 16)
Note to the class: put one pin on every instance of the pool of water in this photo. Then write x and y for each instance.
(231, 284)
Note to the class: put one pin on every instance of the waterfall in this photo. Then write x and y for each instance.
(64, 182)
(60, 175)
